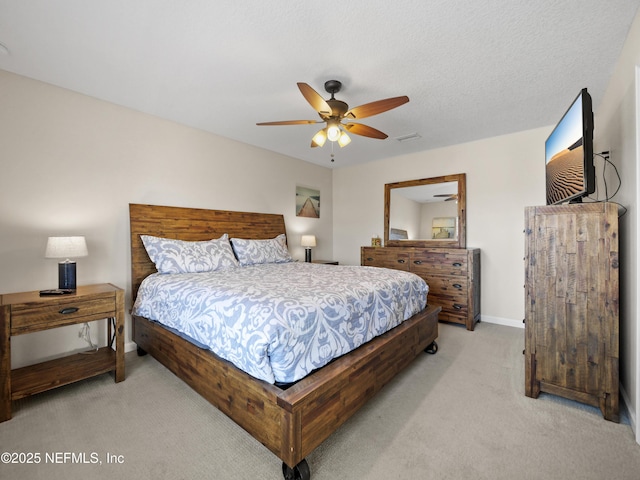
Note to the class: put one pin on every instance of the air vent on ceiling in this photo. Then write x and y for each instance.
(408, 137)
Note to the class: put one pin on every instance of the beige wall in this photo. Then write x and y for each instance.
(504, 174)
(71, 165)
(617, 129)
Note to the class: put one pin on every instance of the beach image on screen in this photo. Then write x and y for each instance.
(565, 157)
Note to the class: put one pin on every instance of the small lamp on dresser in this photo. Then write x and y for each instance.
(307, 242)
(67, 248)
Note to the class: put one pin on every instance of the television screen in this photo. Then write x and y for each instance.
(570, 173)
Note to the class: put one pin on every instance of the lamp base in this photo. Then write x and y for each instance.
(307, 255)
(67, 275)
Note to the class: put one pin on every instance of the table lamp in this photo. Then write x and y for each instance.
(66, 247)
(307, 242)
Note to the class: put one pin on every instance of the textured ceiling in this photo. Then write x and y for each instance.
(472, 69)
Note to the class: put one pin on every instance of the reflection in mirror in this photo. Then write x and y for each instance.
(424, 212)
(427, 212)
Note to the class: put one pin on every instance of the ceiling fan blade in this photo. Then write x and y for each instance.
(290, 122)
(374, 108)
(365, 130)
(449, 196)
(318, 103)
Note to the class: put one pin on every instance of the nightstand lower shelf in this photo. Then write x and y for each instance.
(55, 373)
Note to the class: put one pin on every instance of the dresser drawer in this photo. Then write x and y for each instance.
(33, 317)
(440, 263)
(452, 317)
(455, 287)
(385, 257)
(455, 305)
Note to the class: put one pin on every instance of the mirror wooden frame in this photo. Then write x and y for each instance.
(459, 242)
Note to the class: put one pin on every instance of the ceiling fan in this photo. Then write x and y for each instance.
(449, 196)
(333, 111)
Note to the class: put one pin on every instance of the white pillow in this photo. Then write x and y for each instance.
(253, 252)
(179, 256)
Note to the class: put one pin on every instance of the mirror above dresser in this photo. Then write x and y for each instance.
(428, 212)
(425, 233)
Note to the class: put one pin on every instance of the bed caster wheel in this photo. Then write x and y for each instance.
(299, 472)
(432, 349)
(141, 352)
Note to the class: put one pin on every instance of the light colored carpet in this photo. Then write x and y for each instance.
(459, 414)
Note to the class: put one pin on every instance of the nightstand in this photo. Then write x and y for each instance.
(325, 262)
(28, 312)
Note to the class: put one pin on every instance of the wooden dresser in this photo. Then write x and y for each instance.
(453, 276)
(571, 309)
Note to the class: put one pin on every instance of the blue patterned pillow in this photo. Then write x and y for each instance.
(179, 256)
(253, 252)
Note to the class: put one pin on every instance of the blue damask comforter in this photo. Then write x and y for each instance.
(279, 322)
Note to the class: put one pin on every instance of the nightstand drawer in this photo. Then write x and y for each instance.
(33, 317)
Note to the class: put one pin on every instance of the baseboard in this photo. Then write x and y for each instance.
(628, 407)
(130, 347)
(502, 321)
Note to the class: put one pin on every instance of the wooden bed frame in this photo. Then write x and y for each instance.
(292, 422)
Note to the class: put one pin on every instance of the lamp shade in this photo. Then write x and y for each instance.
(344, 140)
(319, 138)
(66, 247)
(308, 241)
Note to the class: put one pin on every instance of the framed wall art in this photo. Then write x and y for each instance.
(307, 202)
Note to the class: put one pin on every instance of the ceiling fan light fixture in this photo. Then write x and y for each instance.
(344, 139)
(319, 138)
(333, 131)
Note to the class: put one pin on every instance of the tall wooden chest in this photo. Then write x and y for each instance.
(571, 310)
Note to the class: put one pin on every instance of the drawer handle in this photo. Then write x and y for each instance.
(68, 310)
(457, 264)
(369, 259)
(418, 262)
(457, 285)
(457, 307)
(400, 261)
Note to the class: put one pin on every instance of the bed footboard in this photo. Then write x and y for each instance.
(292, 423)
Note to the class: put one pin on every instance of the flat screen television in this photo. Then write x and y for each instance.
(570, 171)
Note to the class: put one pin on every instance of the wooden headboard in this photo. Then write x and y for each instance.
(191, 224)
